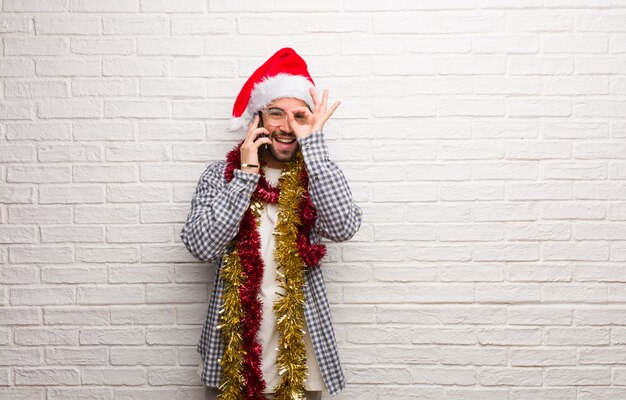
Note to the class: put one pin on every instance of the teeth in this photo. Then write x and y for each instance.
(284, 140)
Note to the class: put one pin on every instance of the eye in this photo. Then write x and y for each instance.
(275, 112)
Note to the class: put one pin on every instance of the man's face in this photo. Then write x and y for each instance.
(284, 146)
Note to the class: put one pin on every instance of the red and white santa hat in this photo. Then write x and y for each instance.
(284, 74)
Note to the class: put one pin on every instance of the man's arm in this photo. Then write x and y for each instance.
(216, 210)
(338, 218)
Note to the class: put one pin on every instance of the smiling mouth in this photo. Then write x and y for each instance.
(285, 139)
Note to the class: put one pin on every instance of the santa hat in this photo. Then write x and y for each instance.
(284, 74)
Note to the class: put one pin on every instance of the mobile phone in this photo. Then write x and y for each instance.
(263, 147)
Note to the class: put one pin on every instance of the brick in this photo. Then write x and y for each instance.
(16, 110)
(14, 24)
(143, 316)
(165, 254)
(135, 25)
(139, 234)
(176, 293)
(509, 43)
(42, 296)
(20, 357)
(104, 173)
(140, 152)
(80, 393)
(532, 21)
(74, 274)
(76, 316)
(112, 336)
(68, 25)
(172, 376)
(19, 274)
(113, 376)
(179, 131)
(17, 67)
(110, 294)
(46, 336)
(41, 254)
(100, 7)
(533, 65)
(137, 109)
(510, 336)
(34, 5)
(144, 66)
(76, 356)
(203, 25)
(20, 316)
(478, 394)
(18, 234)
(473, 356)
(174, 336)
(46, 376)
(61, 108)
(443, 336)
(27, 46)
(408, 293)
(107, 254)
(173, 87)
(143, 356)
(39, 131)
(582, 336)
(34, 174)
(35, 89)
(103, 131)
(15, 393)
(131, 193)
(177, 46)
(510, 376)
(191, 314)
(171, 6)
(143, 274)
(161, 213)
(100, 87)
(280, 25)
(443, 375)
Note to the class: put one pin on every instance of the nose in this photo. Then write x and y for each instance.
(284, 125)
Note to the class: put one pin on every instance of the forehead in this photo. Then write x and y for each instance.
(287, 102)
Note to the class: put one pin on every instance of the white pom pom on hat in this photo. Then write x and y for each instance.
(284, 74)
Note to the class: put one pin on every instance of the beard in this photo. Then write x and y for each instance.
(283, 155)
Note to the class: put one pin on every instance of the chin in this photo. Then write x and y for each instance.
(284, 157)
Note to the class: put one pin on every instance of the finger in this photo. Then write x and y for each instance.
(252, 126)
(314, 97)
(324, 101)
(332, 109)
(261, 141)
(303, 110)
(290, 118)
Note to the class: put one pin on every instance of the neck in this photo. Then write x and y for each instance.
(271, 162)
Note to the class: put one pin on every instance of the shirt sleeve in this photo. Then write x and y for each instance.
(338, 218)
(216, 210)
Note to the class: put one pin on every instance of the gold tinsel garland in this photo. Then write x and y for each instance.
(232, 383)
(288, 307)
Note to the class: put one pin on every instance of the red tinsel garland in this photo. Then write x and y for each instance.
(249, 244)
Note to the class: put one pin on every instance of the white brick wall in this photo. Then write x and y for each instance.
(484, 140)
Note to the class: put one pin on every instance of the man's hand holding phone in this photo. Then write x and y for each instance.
(255, 138)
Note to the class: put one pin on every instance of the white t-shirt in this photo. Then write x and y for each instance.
(268, 335)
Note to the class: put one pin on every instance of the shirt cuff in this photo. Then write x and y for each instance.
(244, 183)
(314, 147)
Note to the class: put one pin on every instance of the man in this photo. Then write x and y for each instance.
(261, 215)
